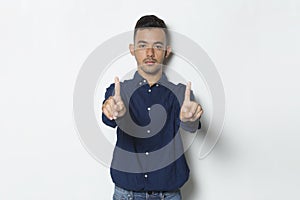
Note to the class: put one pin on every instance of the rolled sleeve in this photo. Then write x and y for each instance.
(105, 120)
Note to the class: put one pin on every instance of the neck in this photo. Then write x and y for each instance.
(151, 78)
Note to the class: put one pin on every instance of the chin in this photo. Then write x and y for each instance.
(151, 69)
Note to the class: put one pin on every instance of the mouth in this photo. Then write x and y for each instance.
(150, 62)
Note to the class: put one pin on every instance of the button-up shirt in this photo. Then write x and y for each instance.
(141, 172)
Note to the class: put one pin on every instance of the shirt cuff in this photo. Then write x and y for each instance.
(191, 126)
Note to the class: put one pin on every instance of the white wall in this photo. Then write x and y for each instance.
(254, 44)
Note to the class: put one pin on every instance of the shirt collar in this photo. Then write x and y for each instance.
(139, 80)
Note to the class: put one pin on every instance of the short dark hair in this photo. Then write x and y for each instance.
(151, 21)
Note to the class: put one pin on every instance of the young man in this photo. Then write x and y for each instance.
(148, 161)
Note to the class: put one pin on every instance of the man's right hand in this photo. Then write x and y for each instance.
(114, 107)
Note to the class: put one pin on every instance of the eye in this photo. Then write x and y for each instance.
(141, 46)
(158, 47)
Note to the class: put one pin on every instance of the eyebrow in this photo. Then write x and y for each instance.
(142, 41)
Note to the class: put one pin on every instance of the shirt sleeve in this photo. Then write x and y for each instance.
(191, 126)
(105, 120)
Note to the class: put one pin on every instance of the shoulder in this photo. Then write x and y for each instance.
(177, 89)
(122, 84)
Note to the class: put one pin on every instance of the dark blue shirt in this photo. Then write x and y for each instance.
(140, 161)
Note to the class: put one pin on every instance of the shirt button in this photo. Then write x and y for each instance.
(147, 153)
(149, 90)
(148, 131)
(140, 83)
(149, 108)
(157, 85)
(144, 81)
(146, 176)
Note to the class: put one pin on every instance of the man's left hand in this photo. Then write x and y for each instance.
(190, 110)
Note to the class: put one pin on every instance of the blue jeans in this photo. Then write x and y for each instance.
(122, 194)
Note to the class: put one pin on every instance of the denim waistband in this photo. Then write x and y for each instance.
(149, 192)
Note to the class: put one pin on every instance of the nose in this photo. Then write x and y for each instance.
(150, 52)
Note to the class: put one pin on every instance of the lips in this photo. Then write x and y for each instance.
(150, 62)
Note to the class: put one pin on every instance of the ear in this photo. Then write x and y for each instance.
(131, 49)
(168, 51)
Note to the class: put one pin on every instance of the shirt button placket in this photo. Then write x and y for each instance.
(148, 131)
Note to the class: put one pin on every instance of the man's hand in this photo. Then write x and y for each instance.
(190, 110)
(114, 107)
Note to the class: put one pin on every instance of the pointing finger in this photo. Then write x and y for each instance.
(187, 96)
(117, 87)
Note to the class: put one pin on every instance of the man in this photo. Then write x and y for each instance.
(148, 161)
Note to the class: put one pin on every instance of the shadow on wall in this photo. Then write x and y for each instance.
(224, 153)
(189, 188)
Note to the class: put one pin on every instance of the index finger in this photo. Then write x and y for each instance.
(117, 86)
(187, 96)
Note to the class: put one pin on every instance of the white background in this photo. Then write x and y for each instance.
(254, 45)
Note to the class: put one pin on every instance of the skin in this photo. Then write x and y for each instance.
(150, 50)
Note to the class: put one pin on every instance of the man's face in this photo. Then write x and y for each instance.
(150, 50)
